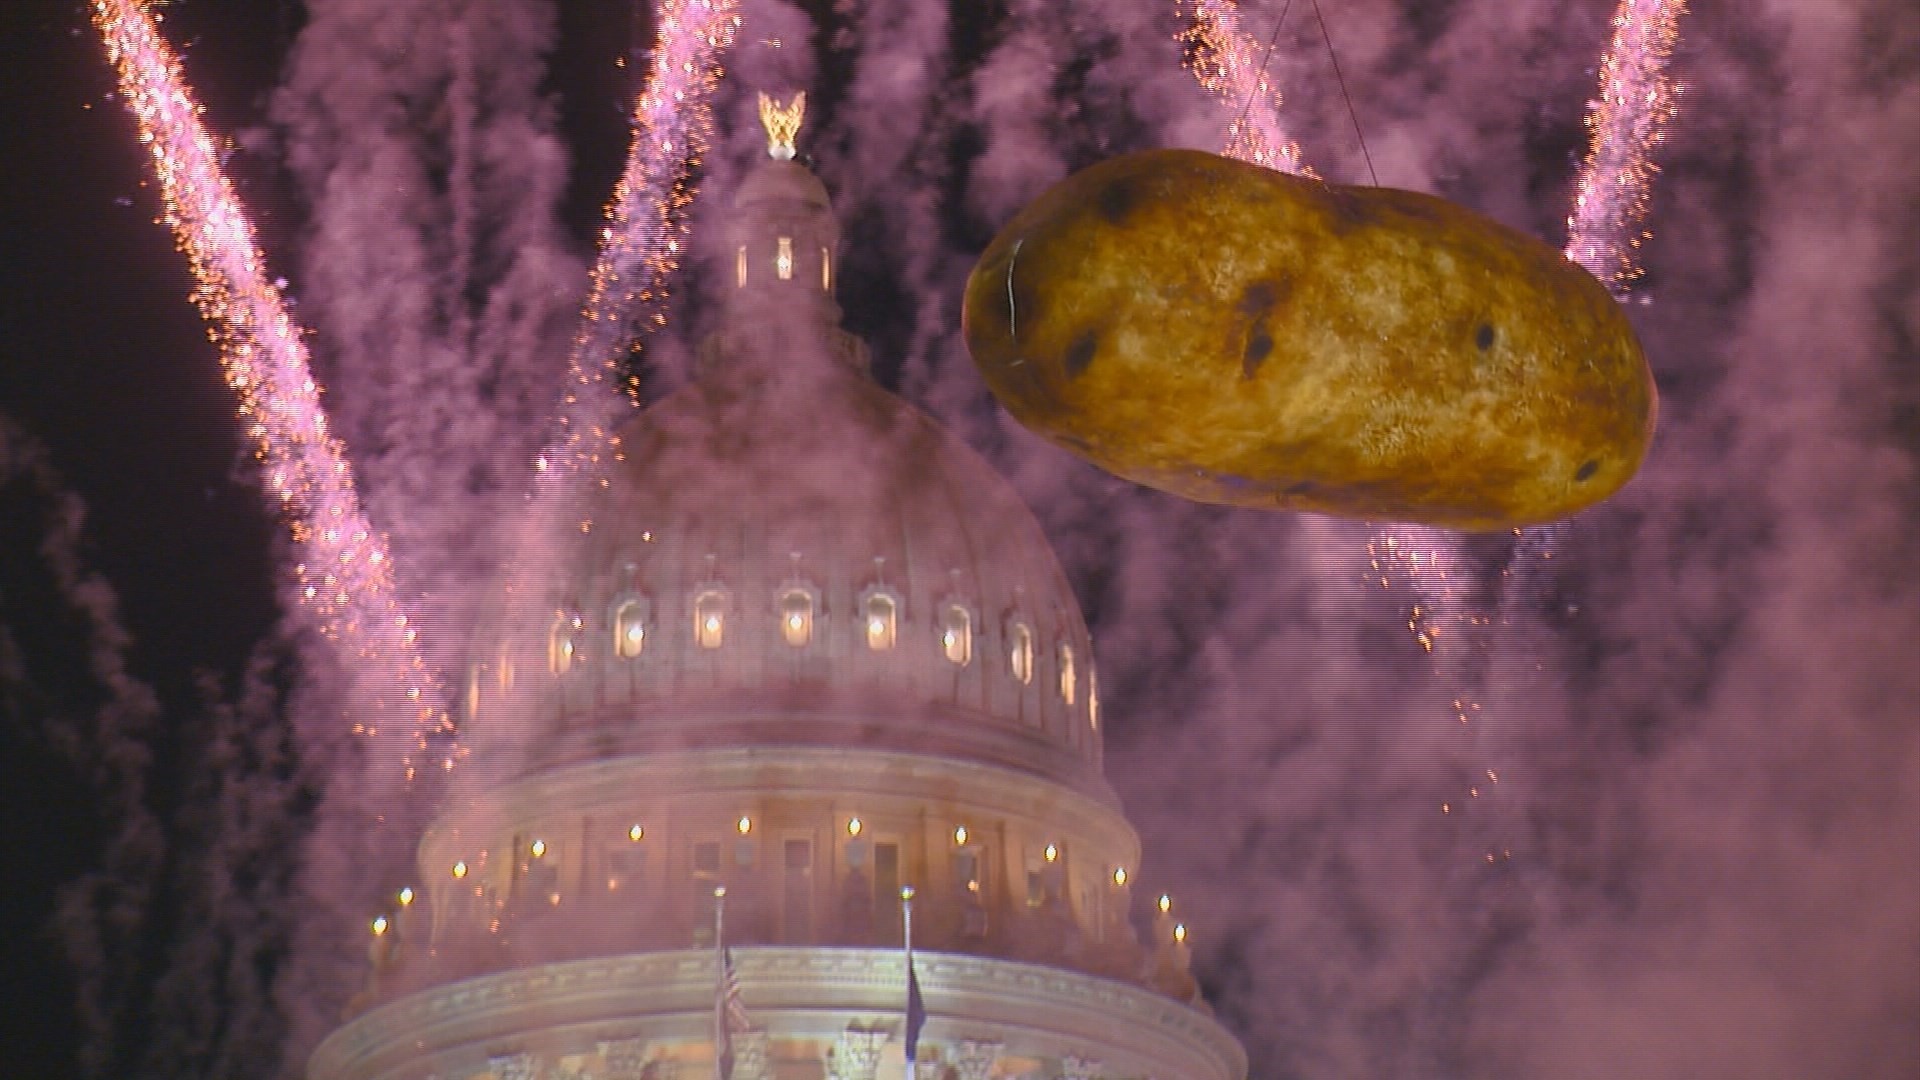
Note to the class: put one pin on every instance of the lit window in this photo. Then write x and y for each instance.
(783, 260)
(740, 267)
(956, 634)
(629, 629)
(826, 270)
(506, 668)
(1020, 651)
(1093, 699)
(882, 621)
(473, 691)
(709, 618)
(1068, 679)
(796, 616)
(563, 642)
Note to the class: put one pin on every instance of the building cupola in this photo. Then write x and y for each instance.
(784, 235)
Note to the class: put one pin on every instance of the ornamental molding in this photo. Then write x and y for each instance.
(623, 1001)
(784, 772)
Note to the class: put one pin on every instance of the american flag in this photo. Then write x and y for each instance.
(729, 1017)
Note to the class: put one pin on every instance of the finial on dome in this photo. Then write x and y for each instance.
(782, 123)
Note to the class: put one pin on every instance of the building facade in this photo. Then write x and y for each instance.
(796, 645)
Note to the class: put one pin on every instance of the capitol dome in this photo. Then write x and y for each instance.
(785, 553)
(787, 681)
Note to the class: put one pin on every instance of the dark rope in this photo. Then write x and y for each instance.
(1354, 116)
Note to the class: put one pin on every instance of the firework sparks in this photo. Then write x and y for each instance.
(646, 225)
(1231, 66)
(1627, 120)
(344, 578)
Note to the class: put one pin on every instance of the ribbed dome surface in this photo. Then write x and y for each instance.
(789, 553)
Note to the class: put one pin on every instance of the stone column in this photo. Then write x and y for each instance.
(624, 1059)
(1078, 1068)
(974, 1059)
(514, 1067)
(855, 1055)
(750, 1056)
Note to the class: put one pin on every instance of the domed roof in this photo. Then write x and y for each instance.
(777, 181)
(786, 553)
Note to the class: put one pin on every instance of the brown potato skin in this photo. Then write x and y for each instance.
(1237, 335)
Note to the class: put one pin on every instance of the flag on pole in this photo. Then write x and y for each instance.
(916, 1008)
(729, 1017)
(916, 1014)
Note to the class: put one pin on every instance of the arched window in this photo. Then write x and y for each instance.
(1093, 699)
(796, 616)
(826, 270)
(1020, 650)
(882, 613)
(506, 667)
(563, 642)
(783, 259)
(956, 634)
(1068, 677)
(740, 267)
(710, 618)
(629, 629)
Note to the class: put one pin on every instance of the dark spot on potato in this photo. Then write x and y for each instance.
(1080, 353)
(1483, 337)
(1259, 297)
(1259, 344)
(1118, 199)
(1586, 470)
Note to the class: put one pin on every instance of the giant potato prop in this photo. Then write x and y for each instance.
(1236, 335)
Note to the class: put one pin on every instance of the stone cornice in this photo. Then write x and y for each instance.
(791, 991)
(796, 770)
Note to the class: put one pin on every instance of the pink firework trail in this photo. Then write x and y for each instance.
(344, 579)
(1231, 66)
(1627, 121)
(646, 231)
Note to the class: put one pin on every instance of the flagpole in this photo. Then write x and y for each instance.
(906, 932)
(720, 1037)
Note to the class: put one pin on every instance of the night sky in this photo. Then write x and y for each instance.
(1702, 698)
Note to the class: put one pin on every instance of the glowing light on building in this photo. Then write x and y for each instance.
(960, 835)
(539, 848)
(380, 925)
(1120, 876)
(744, 825)
(406, 896)
(854, 826)
(459, 870)
(343, 572)
(646, 228)
(1051, 854)
(1230, 65)
(636, 834)
(1627, 121)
